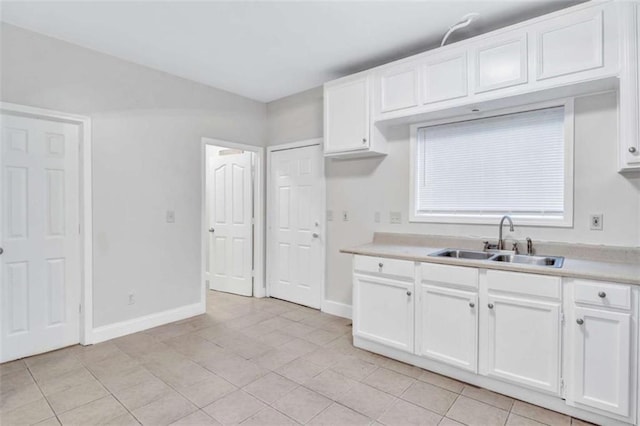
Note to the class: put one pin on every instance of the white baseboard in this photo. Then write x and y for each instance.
(111, 331)
(336, 308)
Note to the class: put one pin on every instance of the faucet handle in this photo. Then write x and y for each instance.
(529, 246)
(514, 247)
(486, 245)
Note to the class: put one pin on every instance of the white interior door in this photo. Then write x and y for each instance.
(40, 236)
(230, 221)
(296, 249)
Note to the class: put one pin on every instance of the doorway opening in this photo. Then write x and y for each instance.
(232, 219)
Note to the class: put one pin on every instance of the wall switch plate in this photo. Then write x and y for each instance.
(376, 217)
(345, 216)
(395, 218)
(171, 216)
(329, 215)
(595, 222)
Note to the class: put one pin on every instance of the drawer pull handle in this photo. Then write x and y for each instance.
(380, 265)
(580, 321)
(408, 293)
(602, 294)
(490, 305)
(472, 305)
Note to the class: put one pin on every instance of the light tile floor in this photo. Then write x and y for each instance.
(249, 361)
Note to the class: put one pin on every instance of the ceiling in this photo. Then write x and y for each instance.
(264, 50)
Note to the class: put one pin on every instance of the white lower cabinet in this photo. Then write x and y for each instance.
(447, 315)
(385, 307)
(521, 334)
(601, 351)
(500, 329)
(523, 342)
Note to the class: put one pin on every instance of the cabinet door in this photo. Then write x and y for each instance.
(455, 343)
(501, 62)
(523, 342)
(444, 77)
(398, 87)
(346, 112)
(383, 311)
(570, 44)
(602, 361)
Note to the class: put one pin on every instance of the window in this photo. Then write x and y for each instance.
(518, 163)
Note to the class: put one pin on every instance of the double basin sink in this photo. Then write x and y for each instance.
(548, 261)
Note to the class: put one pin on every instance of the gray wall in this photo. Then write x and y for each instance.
(365, 186)
(147, 127)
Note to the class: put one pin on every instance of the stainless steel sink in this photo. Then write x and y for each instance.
(462, 254)
(550, 261)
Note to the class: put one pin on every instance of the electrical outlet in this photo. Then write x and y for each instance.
(132, 299)
(376, 217)
(345, 216)
(171, 216)
(395, 218)
(329, 215)
(596, 222)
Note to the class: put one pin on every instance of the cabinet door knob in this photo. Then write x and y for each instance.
(490, 305)
(632, 149)
(580, 321)
(602, 294)
(472, 305)
(364, 140)
(380, 265)
(212, 230)
(408, 293)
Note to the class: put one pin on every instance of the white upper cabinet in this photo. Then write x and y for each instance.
(629, 110)
(570, 44)
(347, 118)
(444, 77)
(398, 87)
(574, 46)
(500, 62)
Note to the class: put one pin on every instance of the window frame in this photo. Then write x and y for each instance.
(526, 220)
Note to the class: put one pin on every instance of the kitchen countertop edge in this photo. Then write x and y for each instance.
(573, 268)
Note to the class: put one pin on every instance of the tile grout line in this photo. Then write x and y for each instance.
(42, 393)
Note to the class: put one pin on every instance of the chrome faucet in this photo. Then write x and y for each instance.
(500, 240)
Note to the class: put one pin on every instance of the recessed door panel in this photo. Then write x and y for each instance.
(56, 300)
(445, 78)
(17, 292)
(17, 204)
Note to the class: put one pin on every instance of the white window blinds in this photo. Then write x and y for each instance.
(510, 164)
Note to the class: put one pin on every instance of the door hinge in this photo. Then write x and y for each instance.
(253, 273)
(561, 317)
(561, 386)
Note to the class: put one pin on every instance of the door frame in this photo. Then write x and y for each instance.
(86, 206)
(323, 211)
(258, 215)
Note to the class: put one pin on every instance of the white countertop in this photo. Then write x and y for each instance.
(576, 268)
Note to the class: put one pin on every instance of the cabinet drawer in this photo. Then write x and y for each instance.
(456, 275)
(386, 266)
(601, 294)
(529, 284)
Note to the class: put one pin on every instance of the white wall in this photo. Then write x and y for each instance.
(365, 186)
(147, 129)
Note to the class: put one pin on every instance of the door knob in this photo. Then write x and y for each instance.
(472, 305)
(212, 230)
(408, 293)
(602, 294)
(1, 250)
(490, 306)
(315, 235)
(632, 149)
(580, 321)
